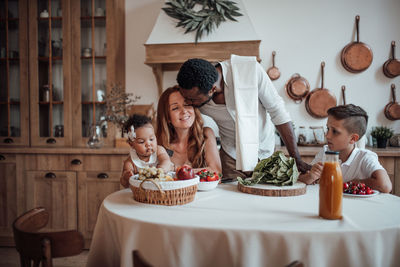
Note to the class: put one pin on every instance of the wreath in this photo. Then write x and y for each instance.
(210, 16)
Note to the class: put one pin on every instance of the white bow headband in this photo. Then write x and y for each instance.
(131, 134)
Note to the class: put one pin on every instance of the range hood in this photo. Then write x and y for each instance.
(168, 47)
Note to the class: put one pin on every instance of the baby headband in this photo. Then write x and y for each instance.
(131, 133)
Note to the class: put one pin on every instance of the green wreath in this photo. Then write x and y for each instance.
(210, 16)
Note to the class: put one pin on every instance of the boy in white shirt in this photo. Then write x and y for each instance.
(346, 125)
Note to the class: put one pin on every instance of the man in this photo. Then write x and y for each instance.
(221, 92)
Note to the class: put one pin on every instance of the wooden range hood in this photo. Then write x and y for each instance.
(169, 57)
(167, 47)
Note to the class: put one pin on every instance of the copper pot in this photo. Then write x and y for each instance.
(297, 87)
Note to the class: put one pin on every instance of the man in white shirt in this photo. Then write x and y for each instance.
(211, 88)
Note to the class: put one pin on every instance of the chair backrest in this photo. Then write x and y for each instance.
(138, 260)
(36, 247)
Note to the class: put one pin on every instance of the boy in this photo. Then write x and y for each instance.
(346, 125)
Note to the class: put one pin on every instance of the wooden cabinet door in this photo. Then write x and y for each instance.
(50, 73)
(98, 63)
(93, 187)
(14, 88)
(55, 191)
(8, 197)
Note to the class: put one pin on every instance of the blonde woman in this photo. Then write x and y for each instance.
(180, 131)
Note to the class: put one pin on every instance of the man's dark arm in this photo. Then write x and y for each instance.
(287, 134)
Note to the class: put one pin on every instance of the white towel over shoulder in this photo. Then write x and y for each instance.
(246, 101)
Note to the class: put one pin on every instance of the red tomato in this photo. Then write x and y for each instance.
(369, 192)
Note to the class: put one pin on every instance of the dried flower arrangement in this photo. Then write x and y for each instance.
(117, 104)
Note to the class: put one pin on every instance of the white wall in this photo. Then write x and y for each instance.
(303, 33)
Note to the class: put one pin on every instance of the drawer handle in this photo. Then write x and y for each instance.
(102, 175)
(2, 157)
(50, 175)
(8, 141)
(51, 141)
(76, 162)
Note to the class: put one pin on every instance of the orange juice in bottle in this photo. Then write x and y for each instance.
(331, 187)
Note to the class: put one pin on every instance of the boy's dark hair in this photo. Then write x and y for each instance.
(137, 121)
(355, 118)
(199, 73)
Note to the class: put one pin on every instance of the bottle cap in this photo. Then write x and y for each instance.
(332, 152)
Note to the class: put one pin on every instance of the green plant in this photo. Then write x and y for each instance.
(204, 19)
(381, 132)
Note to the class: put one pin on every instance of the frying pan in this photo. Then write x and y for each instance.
(297, 87)
(392, 109)
(319, 100)
(356, 56)
(273, 72)
(391, 68)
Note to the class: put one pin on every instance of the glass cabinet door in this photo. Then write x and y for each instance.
(93, 51)
(50, 72)
(14, 98)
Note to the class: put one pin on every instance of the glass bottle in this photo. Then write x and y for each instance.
(331, 187)
(302, 136)
(95, 137)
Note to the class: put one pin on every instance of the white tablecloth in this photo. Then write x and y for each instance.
(225, 227)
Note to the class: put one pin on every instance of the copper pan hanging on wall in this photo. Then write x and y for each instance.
(392, 109)
(273, 72)
(319, 100)
(356, 56)
(297, 87)
(391, 68)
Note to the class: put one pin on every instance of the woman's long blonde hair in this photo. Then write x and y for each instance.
(166, 133)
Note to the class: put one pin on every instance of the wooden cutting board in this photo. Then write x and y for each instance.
(297, 189)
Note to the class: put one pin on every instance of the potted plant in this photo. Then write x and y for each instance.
(381, 134)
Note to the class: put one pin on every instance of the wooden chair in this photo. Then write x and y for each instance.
(138, 260)
(41, 247)
(295, 264)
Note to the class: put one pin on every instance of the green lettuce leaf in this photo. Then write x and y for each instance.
(276, 170)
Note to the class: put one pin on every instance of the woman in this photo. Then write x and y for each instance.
(180, 130)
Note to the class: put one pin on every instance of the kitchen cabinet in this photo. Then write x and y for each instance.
(70, 183)
(58, 61)
(14, 93)
(8, 196)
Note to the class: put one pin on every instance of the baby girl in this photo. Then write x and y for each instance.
(144, 149)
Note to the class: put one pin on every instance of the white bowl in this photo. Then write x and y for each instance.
(206, 186)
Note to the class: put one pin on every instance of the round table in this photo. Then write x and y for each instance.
(225, 227)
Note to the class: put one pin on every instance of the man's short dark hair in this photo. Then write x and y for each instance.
(137, 120)
(355, 118)
(199, 73)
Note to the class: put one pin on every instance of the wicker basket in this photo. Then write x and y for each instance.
(172, 197)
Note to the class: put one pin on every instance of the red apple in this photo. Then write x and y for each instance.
(184, 172)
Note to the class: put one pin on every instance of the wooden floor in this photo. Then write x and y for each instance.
(9, 257)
